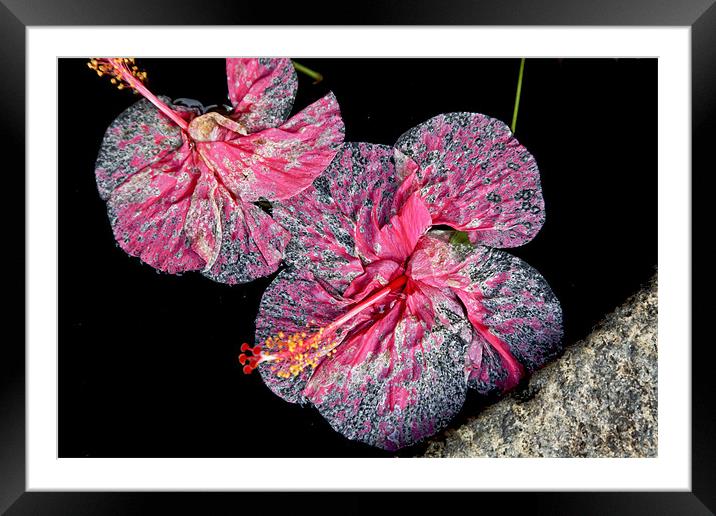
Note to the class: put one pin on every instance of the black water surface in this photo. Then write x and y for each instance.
(148, 361)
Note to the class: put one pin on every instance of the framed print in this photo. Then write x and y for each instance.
(369, 258)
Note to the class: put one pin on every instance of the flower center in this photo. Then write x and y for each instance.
(288, 355)
(212, 126)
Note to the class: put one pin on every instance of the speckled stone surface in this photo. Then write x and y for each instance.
(598, 400)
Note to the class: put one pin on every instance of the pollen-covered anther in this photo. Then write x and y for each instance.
(122, 71)
(289, 354)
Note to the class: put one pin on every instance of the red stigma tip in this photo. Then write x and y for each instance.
(250, 362)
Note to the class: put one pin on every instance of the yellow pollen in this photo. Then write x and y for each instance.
(122, 71)
(291, 354)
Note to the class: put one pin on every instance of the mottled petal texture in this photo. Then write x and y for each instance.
(140, 136)
(261, 90)
(397, 239)
(294, 303)
(395, 382)
(148, 211)
(278, 163)
(474, 176)
(515, 303)
(392, 380)
(203, 220)
(516, 317)
(252, 243)
(331, 220)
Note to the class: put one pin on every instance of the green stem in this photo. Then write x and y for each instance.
(317, 77)
(517, 96)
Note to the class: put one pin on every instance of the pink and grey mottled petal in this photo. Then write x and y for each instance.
(277, 163)
(203, 220)
(261, 90)
(345, 207)
(396, 239)
(294, 302)
(148, 213)
(474, 176)
(252, 243)
(517, 305)
(140, 136)
(486, 370)
(376, 275)
(395, 382)
(516, 318)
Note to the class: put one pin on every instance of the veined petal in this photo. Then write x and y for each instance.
(394, 381)
(396, 240)
(252, 243)
(261, 90)
(474, 176)
(515, 303)
(517, 319)
(148, 212)
(294, 303)
(487, 370)
(278, 163)
(375, 276)
(140, 136)
(203, 220)
(332, 220)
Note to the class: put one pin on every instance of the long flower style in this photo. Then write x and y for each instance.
(184, 186)
(382, 322)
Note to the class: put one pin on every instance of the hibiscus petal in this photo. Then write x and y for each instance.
(148, 212)
(140, 136)
(252, 243)
(376, 276)
(474, 176)
(394, 381)
(345, 206)
(396, 240)
(518, 306)
(516, 317)
(294, 302)
(276, 164)
(261, 90)
(488, 371)
(203, 220)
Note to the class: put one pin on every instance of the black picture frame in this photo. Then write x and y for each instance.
(17, 15)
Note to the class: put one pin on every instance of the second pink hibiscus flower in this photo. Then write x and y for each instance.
(382, 323)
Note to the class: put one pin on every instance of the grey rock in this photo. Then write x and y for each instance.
(598, 400)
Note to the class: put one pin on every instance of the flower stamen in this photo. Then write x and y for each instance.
(290, 354)
(124, 73)
(118, 69)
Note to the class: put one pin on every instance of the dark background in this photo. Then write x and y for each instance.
(143, 372)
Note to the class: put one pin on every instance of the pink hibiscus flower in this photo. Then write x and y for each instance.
(382, 322)
(183, 186)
